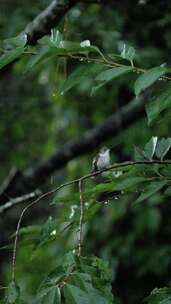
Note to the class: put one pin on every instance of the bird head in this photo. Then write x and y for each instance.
(104, 150)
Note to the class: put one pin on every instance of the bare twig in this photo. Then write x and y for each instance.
(80, 229)
(3, 287)
(16, 239)
(18, 200)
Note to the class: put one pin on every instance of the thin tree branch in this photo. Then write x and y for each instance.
(80, 229)
(18, 200)
(3, 287)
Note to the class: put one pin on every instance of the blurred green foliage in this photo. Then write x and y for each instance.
(129, 233)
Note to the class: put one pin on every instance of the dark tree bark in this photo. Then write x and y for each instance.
(47, 19)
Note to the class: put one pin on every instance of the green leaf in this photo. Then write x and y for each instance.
(148, 78)
(80, 48)
(69, 47)
(96, 88)
(163, 147)
(69, 261)
(159, 104)
(121, 183)
(83, 47)
(103, 187)
(13, 293)
(75, 295)
(84, 280)
(80, 74)
(18, 41)
(129, 182)
(10, 56)
(112, 73)
(139, 154)
(91, 210)
(51, 296)
(45, 53)
(167, 192)
(150, 189)
(54, 46)
(128, 52)
(103, 267)
(159, 296)
(29, 230)
(100, 274)
(56, 276)
(150, 148)
(56, 37)
(109, 75)
(48, 232)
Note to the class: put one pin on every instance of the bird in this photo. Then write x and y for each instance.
(101, 160)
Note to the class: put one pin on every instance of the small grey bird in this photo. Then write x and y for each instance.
(102, 160)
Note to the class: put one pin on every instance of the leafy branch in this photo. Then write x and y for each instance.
(109, 62)
(79, 182)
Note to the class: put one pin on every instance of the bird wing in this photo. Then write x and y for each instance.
(94, 165)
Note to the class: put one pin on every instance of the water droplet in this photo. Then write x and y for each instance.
(62, 93)
(116, 197)
(53, 232)
(72, 213)
(85, 43)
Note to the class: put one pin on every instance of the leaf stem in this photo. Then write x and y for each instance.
(80, 229)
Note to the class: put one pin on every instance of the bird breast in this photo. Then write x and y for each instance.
(103, 160)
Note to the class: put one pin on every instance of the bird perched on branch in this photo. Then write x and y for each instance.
(102, 160)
